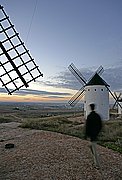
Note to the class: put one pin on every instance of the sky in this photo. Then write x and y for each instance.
(87, 33)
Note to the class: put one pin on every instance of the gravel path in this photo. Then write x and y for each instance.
(42, 155)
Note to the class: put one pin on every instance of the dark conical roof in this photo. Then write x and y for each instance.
(97, 80)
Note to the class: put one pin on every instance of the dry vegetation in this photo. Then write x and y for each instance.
(63, 121)
(110, 137)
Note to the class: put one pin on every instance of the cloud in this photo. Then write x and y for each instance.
(2, 90)
(24, 92)
(55, 97)
(112, 75)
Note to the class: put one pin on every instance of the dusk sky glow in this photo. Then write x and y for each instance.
(59, 32)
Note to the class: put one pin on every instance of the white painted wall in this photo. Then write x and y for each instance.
(99, 95)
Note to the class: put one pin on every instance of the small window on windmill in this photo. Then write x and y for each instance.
(95, 89)
(17, 67)
(88, 89)
(101, 89)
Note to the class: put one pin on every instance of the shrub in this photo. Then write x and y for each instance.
(4, 120)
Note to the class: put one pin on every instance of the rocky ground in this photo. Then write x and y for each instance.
(43, 155)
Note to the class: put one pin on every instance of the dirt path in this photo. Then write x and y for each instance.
(41, 155)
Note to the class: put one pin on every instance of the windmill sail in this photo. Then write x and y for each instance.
(99, 71)
(17, 67)
(77, 73)
(114, 98)
(74, 100)
(117, 99)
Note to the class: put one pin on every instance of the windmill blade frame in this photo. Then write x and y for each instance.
(99, 71)
(117, 98)
(17, 67)
(77, 74)
(114, 97)
(75, 99)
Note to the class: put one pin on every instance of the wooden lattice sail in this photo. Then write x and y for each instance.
(17, 67)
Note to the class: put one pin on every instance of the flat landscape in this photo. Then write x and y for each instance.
(49, 144)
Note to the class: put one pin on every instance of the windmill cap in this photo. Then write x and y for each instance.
(96, 80)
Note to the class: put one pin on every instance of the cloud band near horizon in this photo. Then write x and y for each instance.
(112, 75)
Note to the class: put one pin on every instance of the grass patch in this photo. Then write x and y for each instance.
(110, 137)
(55, 124)
(112, 145)
(5, 120)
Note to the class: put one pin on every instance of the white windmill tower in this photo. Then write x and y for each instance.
(95, 90)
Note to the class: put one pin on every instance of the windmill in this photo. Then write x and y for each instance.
(118, 100)
(17, 67)
(95, 90)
